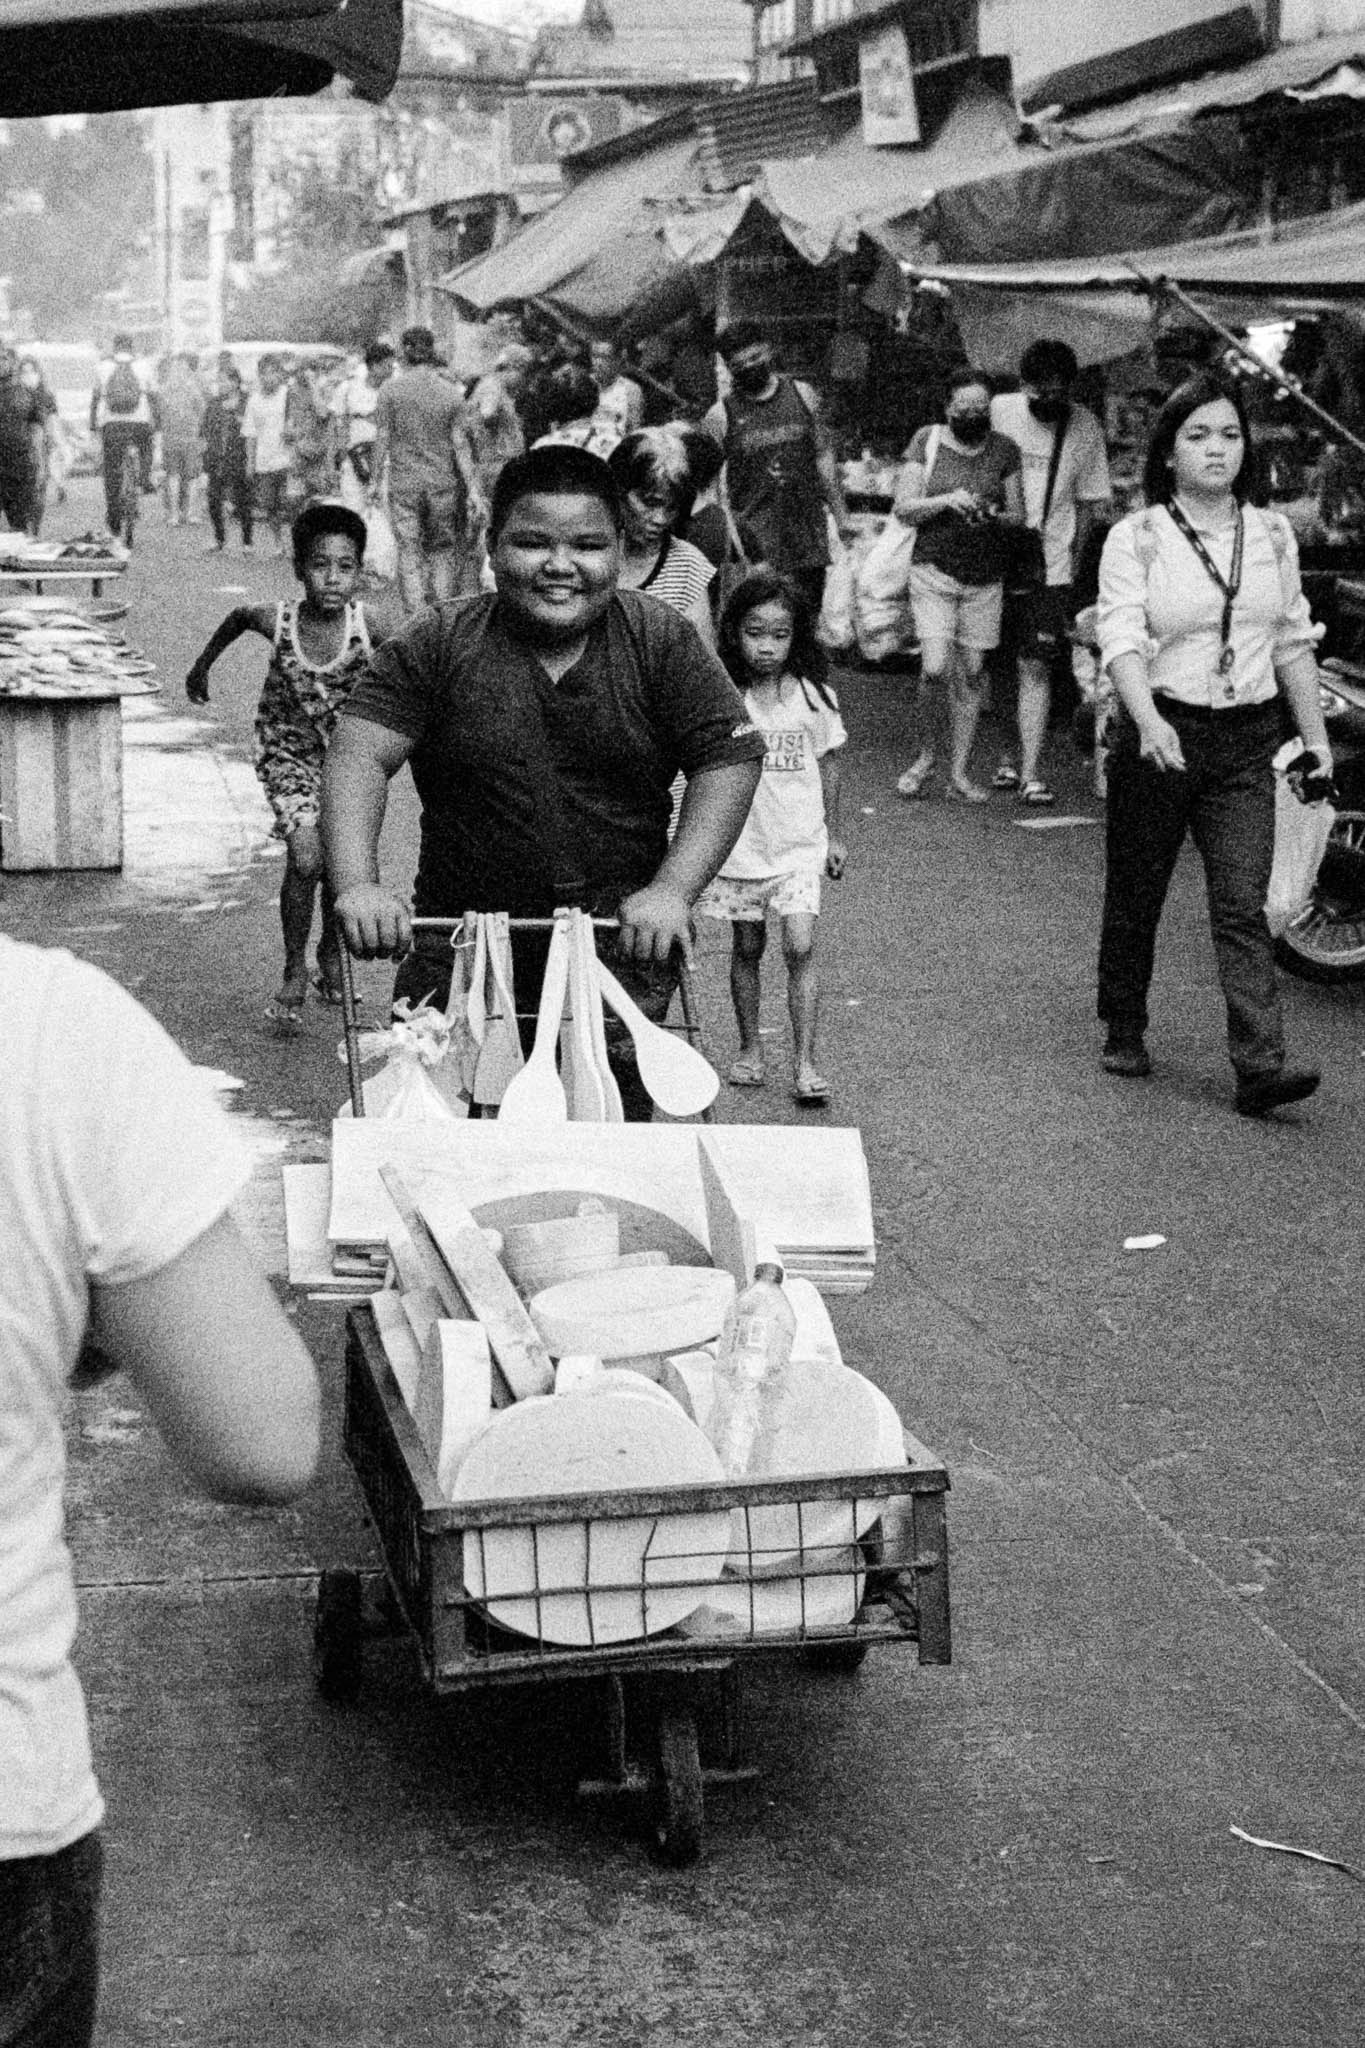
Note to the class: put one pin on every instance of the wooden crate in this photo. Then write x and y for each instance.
(61, 783)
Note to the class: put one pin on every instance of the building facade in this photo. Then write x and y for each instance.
(1067, 52)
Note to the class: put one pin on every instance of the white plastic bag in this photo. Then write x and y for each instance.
(381, 548)
(835, 629)
(413, 1047)
(881, 606)
(1301, 835)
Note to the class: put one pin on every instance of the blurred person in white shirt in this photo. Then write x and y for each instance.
(121, 1251)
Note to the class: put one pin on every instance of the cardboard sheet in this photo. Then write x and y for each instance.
(806, 1189)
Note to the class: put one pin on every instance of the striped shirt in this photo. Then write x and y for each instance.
(681, 578)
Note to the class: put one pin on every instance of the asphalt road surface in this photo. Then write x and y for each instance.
(1156, 1514)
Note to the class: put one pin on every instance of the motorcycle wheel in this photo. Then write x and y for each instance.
(1326, 941)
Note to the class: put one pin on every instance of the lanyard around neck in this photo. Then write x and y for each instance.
(1229, 584)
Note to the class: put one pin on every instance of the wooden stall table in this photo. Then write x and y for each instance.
(38, 565)
(61, 745)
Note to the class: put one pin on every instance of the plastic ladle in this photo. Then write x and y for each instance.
(612, 1108)
(476, 1009)
(475, 1005)
(501, 1057)
(587, 1096)
(536, 1095)
(674, 1072)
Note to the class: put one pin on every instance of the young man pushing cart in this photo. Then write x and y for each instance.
(544, 725)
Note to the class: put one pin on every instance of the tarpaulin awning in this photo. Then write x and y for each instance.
(825, 202)
(984, 190)
(1084, 198)
(594, 246)
(602, 223)
(1299, 70)
(1098, 304)
(1319, 255)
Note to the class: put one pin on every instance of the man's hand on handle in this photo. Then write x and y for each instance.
(374, 922)
(653, 921)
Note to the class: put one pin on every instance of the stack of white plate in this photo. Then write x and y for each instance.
(603, 1580)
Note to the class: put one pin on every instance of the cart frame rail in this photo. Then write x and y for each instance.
(422, 1536)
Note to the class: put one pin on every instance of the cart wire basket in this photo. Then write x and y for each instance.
(647, 1594)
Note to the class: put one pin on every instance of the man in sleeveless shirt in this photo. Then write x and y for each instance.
(780, 468)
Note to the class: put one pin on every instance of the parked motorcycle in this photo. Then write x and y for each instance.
(1326, 941)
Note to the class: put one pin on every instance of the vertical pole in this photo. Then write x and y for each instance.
(348, 1024)
(167, 249)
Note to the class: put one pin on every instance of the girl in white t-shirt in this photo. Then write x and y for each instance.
(791, 835)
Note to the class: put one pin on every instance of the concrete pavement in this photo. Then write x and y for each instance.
(1156, 1520)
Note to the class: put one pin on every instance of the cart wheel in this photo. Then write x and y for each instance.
(840, 1660)
(337, 1635)
(679, 1798)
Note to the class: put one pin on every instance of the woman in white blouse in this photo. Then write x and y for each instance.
(1204, 629)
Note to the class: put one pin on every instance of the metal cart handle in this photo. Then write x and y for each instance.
(687, 994)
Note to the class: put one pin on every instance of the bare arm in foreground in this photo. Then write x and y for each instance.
(226, 1377)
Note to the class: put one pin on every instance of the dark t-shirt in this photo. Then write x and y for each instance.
(773, 478)
(709, 530)
(421, 410)
(20, 413)
(645, 700)
(224, 448)
(971, 551)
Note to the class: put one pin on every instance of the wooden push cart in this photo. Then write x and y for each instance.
(856, 1559)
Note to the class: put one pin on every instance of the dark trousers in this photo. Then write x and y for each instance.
(1225, 799)
(16, 500)
(224, 487)
(117, 435)
(424, 975)
(49, 1947)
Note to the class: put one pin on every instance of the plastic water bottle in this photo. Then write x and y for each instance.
(751, 1363)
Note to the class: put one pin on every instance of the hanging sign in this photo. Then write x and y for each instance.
(890, 115)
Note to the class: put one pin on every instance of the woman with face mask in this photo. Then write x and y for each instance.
(959, 488)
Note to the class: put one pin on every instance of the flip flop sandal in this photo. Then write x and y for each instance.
(965, 793)
(747, 1073)
(915, 781)
(1036, 796)
(1005, 777)
(812, 1094)
(286, 1017)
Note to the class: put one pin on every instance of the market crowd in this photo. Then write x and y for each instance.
(629, 708)
(987, 576)
(986, 571)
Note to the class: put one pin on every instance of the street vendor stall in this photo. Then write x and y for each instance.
(89, 558)
(599, 1412)
(62, 681)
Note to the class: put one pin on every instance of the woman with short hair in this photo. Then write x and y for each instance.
(654, 477)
